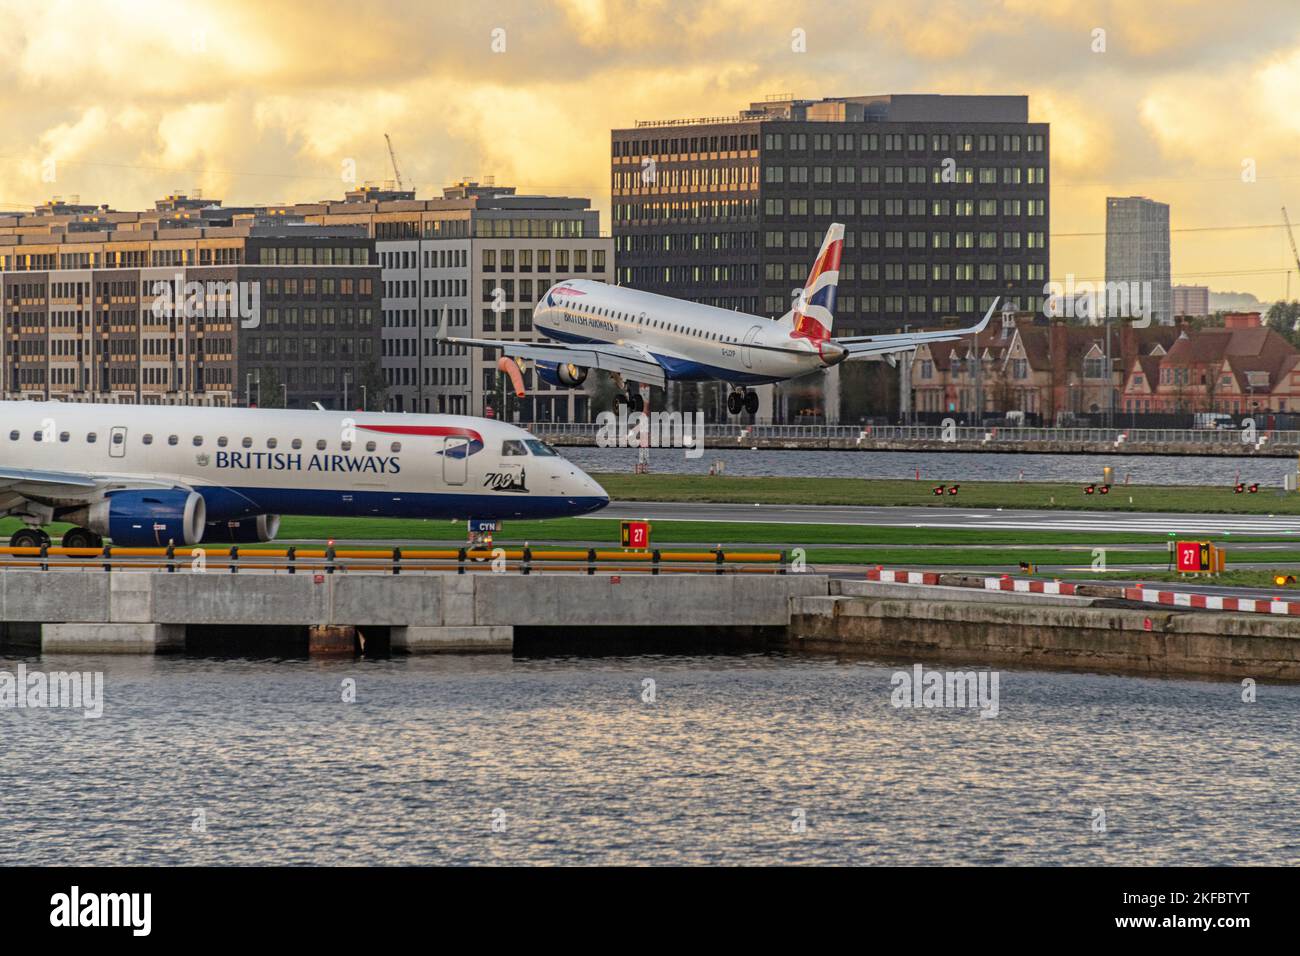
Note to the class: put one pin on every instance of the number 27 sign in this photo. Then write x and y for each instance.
(636, 534)
(1193, 556)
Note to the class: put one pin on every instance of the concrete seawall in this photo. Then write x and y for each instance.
(139, 611)
(1077, 635)
(150, 612)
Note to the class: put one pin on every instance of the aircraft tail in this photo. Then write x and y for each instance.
(813, 315)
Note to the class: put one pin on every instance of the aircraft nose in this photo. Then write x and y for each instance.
(588, 490)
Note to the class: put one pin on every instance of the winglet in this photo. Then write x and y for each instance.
(442, 325)
(984, 322)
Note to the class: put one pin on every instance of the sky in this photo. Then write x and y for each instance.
(1188, 102)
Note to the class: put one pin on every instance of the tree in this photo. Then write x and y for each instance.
(372, 377)
(1282, 317)
(266, 384)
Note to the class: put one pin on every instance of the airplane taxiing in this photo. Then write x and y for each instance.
(652, 339)
(144, 475)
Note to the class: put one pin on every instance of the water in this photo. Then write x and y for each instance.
(585, 772)
(944, 466)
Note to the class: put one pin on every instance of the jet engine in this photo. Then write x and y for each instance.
(243, 530)
(561, 373)
(145, 518)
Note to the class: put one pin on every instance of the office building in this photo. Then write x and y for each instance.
(1137, 250)
(189, 303)
(484, 255)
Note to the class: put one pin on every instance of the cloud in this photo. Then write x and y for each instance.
(259, 101)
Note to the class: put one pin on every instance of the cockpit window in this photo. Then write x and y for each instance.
(541, 449)
(512, 446)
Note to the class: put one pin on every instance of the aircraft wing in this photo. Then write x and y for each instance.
(631, 363)
(865, 346)
(66, 486)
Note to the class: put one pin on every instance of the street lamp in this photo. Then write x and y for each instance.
(363, 398)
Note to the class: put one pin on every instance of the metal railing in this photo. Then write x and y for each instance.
(953, 434)
(331, 560)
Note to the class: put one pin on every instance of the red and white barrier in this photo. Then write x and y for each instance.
(903, 577)
(1027, 586)
(1212, 602)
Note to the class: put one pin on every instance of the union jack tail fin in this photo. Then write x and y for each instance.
(813, 315)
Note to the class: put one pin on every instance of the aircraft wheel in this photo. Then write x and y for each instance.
(751, 402)
(735, 403)
(82, 538)
(29, 538)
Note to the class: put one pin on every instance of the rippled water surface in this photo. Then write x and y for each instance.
(946, 466)
(565, 754)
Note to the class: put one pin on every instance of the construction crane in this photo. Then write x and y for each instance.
(393, 158)
(1294, 252)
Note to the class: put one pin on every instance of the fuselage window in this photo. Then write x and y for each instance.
(90, 438)
(246, 442)
(117, 438)
(271, 443)
(64, 436)
(296, 443)
(147, 439)
(38, 436)
(223, 441)
(13, 436)
(171, 439)
(320, 444)
(346, 445)
(395, 446)
(198, 441)
(370, 446)
(513, 446)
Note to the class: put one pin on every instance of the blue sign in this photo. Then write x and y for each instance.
(484, 525)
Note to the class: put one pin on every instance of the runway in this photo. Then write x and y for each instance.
(969, 518)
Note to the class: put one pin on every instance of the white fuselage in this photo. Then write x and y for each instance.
(692, 342)
(258, 461)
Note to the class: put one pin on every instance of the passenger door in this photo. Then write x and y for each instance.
(746, 354)
(117, 442)
(455, 460)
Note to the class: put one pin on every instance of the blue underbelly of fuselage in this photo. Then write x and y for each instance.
(676, 369)
(229, 503)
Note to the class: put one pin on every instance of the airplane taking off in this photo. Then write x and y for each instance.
(144, 475)
(654, 339)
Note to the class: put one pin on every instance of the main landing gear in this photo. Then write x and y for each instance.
(742, 400)
(72, 538)
(634, 401)
(81, 538)
(29, 538)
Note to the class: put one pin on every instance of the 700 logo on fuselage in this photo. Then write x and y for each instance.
(506, 481)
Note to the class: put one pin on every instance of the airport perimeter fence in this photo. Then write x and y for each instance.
(938, 434)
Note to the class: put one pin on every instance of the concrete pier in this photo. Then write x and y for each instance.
(146, 612)
(455, 639)
(151, 612)
(1097, 638)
